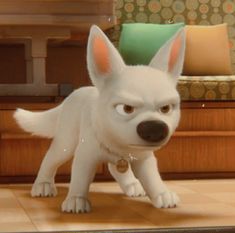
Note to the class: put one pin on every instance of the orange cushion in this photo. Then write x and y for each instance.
(207, 50)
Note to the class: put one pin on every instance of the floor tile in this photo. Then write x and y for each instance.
(17, 227)
(13, 215)
(224, 197)
(210, 187)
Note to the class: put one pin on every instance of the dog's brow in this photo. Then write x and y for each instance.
(130, 98)
(171, 100)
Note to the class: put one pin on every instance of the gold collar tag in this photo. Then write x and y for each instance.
(122, 165)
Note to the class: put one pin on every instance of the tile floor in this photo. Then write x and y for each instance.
(203, 203)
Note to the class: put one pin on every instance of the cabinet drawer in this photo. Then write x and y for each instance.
(199, 119)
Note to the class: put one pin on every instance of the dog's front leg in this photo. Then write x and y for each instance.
(147, 172)
(127, 181)
(83, 171)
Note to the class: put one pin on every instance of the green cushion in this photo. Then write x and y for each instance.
(139, 41)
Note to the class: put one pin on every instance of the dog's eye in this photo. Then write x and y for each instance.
(124, 109)
(166, 109)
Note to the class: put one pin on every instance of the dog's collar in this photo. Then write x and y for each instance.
(122, 160)
(129, 157)
(122, 164)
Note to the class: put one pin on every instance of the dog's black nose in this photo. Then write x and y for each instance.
(152, 131)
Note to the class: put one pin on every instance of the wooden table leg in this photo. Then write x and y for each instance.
(35, 56)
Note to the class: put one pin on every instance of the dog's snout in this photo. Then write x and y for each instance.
(152, 131)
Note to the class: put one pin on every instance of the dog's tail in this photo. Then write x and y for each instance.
(38, 123)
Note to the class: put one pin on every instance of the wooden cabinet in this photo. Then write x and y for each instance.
(203, 145)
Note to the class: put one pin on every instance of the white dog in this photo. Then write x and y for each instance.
(128, 113)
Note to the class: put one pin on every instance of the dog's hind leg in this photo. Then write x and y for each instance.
(58, 153)
(62, 147)
(127, 181)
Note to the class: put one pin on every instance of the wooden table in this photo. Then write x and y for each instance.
(33, 22)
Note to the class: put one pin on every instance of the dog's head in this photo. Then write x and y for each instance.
(138, 106)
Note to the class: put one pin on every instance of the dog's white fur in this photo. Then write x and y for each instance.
(92, 125)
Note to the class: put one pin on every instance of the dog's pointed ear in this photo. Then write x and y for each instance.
(170, 57)
(103, 59)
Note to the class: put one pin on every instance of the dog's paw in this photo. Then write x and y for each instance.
(43, 189)
(76, 205)
(134, 190)
(166, 199)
